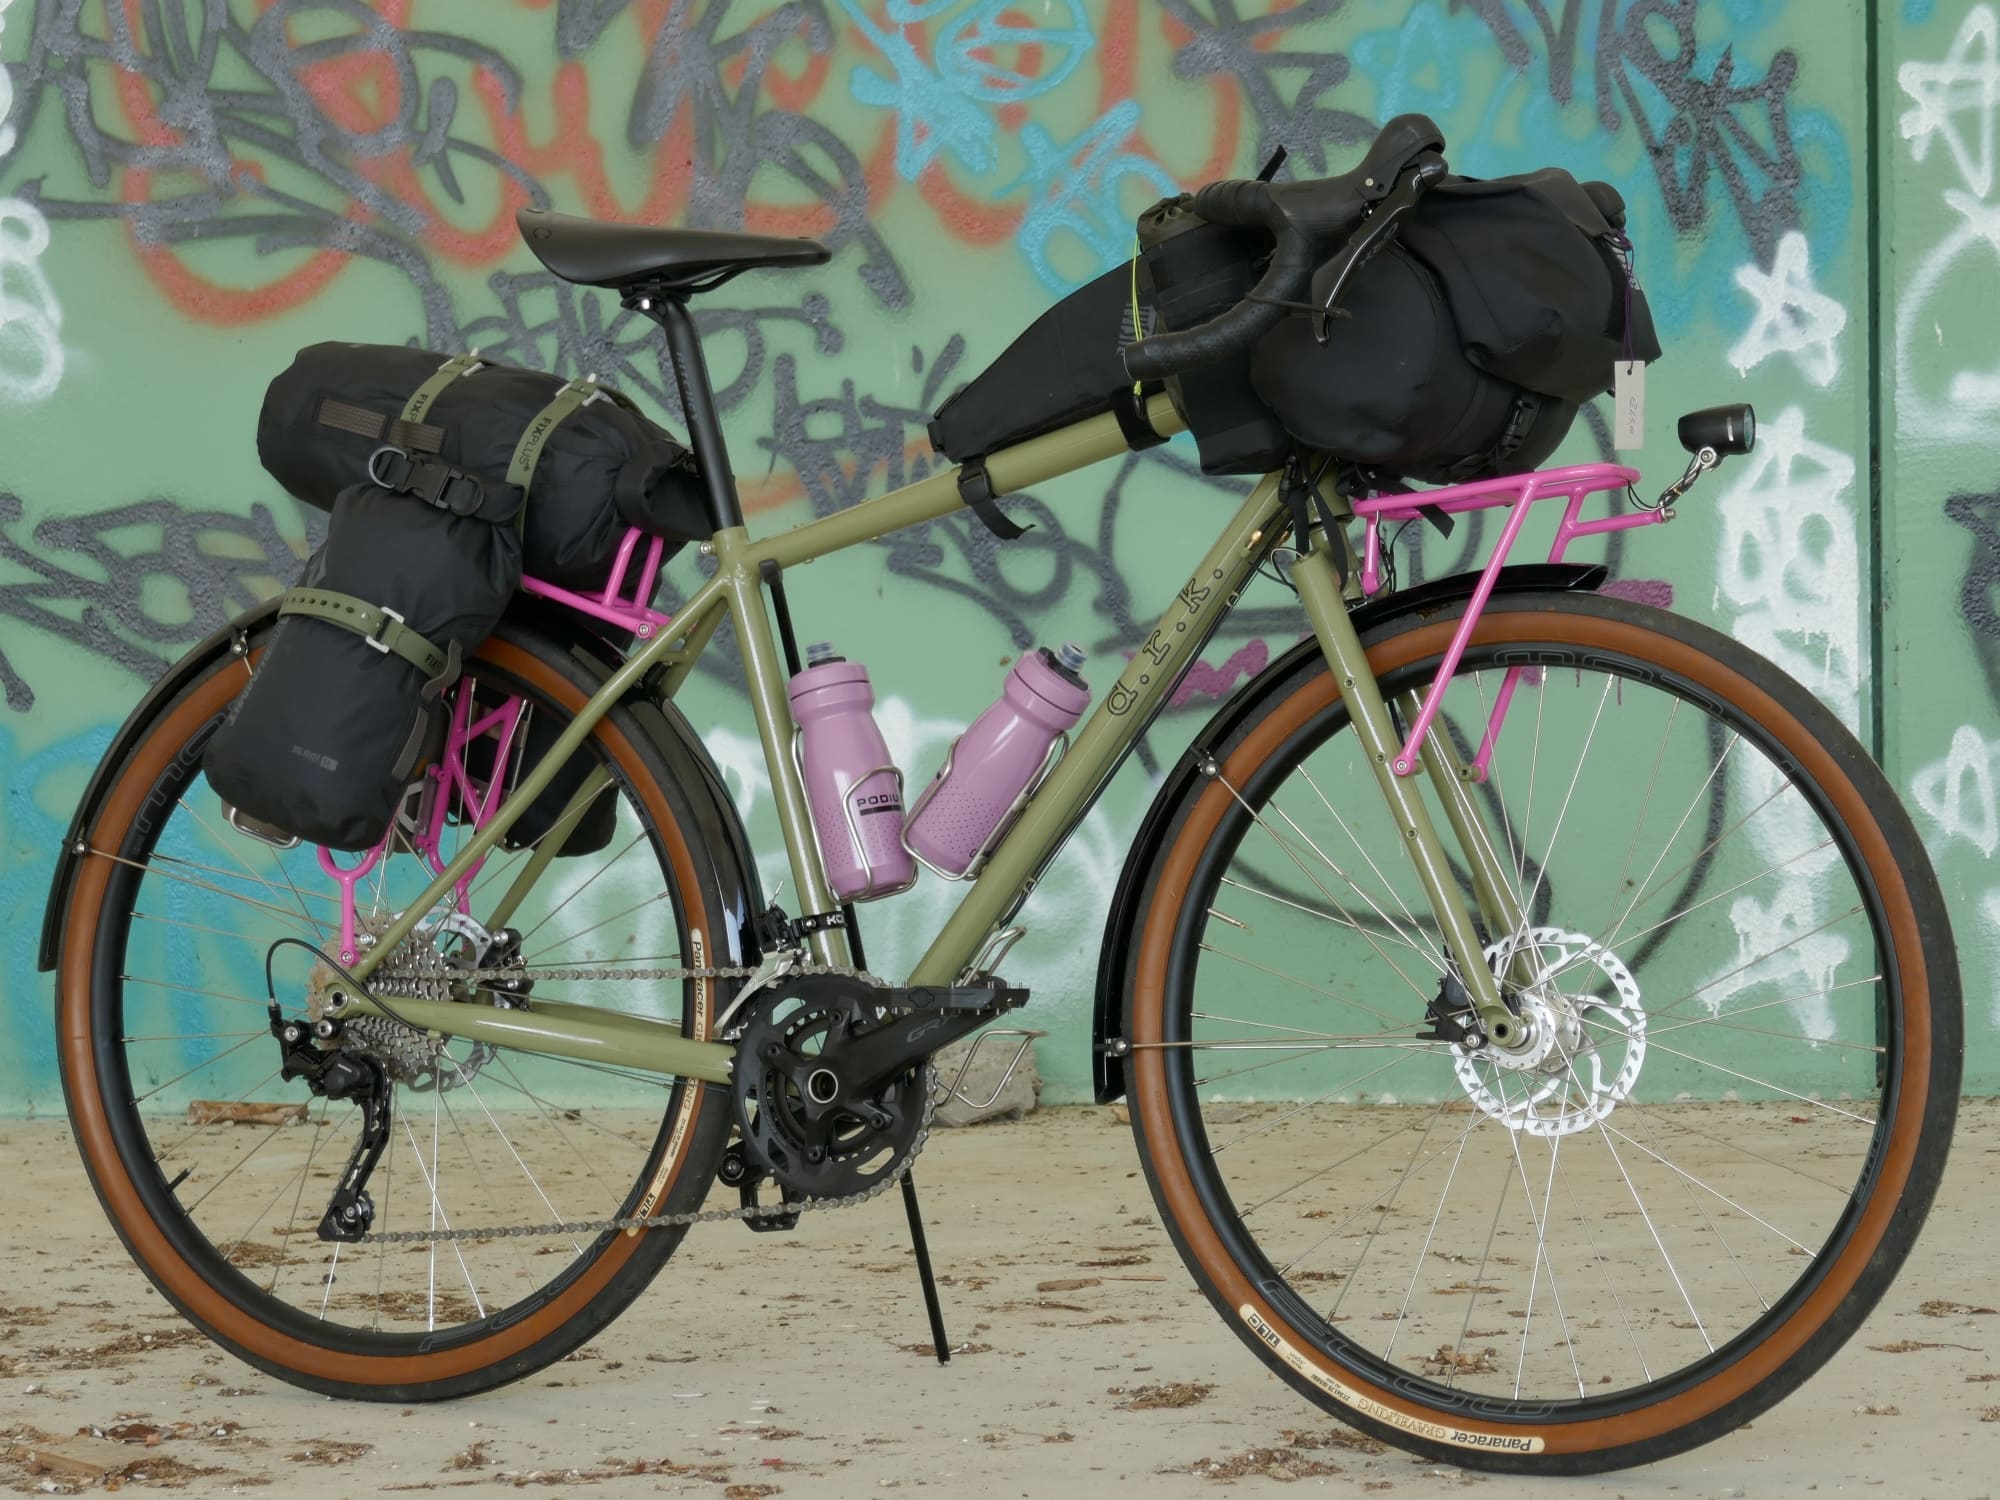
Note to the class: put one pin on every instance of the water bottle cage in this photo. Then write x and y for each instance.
(853, 828)
(992, 841)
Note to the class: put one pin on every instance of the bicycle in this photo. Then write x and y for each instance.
(1516, 1209)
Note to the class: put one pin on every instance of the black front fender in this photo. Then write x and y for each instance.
(1121, 922)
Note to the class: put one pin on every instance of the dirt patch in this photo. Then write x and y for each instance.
(327, 1452)
(1293, 1457)
(1168, 1397)
(1938, 1307)
(1450, 1361)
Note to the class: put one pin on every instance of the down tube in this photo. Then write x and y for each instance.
(1080, 775)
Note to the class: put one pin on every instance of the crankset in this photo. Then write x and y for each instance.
(833, 1077)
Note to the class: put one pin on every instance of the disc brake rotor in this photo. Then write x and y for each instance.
(1589, 1037)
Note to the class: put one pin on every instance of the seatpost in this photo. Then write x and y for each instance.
(704, 423)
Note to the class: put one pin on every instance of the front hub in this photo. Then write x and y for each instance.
(1587, 1037)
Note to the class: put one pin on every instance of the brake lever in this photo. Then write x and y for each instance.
(1376, 233)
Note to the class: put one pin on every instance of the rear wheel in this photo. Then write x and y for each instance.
(1659, 1223)
(165, 1040)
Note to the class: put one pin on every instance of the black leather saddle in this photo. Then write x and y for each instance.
(644, 257)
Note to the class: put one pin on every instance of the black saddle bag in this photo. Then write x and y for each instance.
(344, 708)
(1466, 348)
(467, 435)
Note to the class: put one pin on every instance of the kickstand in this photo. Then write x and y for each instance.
(923, 1250)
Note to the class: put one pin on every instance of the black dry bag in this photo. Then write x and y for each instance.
(343, 709)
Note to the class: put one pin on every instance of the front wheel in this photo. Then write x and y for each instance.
(1676, 1205)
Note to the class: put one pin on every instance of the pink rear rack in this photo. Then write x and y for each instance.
(635, 613)
(1518, 491)
(452, 777)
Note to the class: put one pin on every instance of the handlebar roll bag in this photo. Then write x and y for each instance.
(1467, 347)
(1194, 270)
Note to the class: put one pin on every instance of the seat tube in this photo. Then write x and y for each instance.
(1320, 592)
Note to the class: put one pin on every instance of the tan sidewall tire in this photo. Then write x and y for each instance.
(504, 1353)
(1394, 1412)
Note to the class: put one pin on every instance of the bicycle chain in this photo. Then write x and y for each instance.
(595, 1227)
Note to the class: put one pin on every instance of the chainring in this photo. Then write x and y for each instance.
(815, 1136)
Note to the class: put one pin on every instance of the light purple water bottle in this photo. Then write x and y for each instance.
(855, 792)
(956, 820)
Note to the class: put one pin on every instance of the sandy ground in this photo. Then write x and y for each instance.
(828, 1387)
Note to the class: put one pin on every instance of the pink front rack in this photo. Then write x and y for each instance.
(1519, 492)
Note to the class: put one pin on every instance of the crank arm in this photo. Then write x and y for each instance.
(899, 1044)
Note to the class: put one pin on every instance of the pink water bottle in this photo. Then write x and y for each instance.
(855, 792)
(959, 817)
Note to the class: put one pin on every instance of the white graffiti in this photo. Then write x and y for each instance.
(1989, 911)
(1957, 792)
(1791, 569)
(1956, 101)
(31, 349)
(1967, 81)
(1793, 316)
(1790, 564)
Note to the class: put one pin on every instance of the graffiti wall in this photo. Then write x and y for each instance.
(192, 189)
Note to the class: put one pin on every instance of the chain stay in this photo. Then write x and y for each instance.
(695, 1216)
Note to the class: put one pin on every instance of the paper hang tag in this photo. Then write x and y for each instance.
(1628, 401)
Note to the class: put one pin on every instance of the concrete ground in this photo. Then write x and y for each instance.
(799, 1365)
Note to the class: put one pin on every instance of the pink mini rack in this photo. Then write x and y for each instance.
(1518, 491)
(451, 778)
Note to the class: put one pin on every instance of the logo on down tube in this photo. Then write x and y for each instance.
(1368, 1406)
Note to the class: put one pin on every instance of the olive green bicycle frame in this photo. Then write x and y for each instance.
(1072, 787)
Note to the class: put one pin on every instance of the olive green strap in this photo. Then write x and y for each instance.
(420, 400)
(381, 628)
(528, 452)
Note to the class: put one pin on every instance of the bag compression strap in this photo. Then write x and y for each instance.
(419, 404)
(528, 452)
(379, 627)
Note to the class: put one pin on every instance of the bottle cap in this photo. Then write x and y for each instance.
(1070, 655)
(819, 653)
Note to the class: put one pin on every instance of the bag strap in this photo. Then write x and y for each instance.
(419, 404)
(381, 627)
(528, 452)
(444, 485)
(375, 426)
(975, 488)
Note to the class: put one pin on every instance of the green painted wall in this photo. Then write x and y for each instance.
(189, 191)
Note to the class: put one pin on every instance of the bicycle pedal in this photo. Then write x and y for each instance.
(996, 996)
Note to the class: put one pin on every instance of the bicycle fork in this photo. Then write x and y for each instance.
(1326, 608)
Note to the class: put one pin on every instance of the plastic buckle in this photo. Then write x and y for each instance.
(374, 637)
(402, 474)
(462, 494)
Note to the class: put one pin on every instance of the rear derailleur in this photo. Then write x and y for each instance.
(332, 1073)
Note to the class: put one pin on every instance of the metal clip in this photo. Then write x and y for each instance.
(374, 637)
